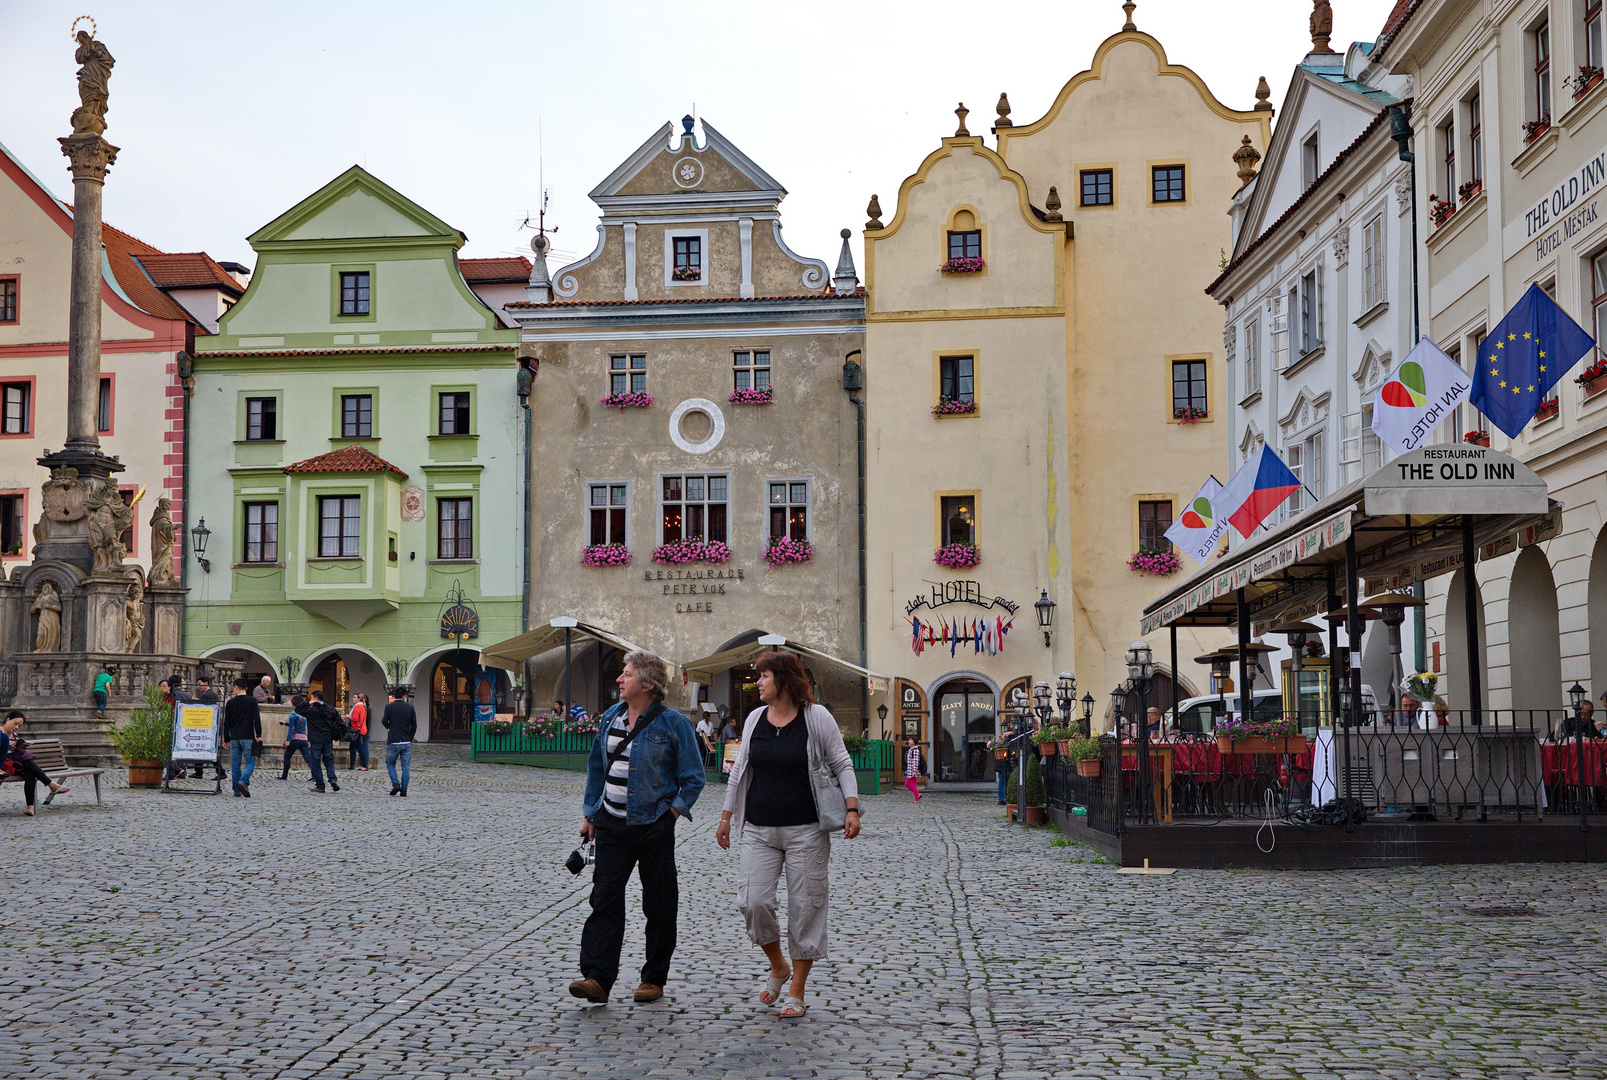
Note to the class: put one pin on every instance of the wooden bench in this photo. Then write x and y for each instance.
(49, 756)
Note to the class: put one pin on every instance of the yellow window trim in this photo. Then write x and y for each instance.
(937, 514)
(1165, 497)
(1211, 389)
(937, 379)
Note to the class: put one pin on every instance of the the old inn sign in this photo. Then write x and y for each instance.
(1455, 480)
(958, 592)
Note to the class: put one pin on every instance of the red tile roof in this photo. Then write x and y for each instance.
(828, 295)
(187, 270)
(350, 459)
(121, 251)
(1398, 15)
(495, 271)
(366, 350)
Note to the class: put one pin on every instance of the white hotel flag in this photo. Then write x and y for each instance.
(1424, 391)
(1196, 531)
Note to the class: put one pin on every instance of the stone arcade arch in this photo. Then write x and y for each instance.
(1532, 635)
(1596, 607)
(1457, 693)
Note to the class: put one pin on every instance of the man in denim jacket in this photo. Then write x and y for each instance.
(644, 774)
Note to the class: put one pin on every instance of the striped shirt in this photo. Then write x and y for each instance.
(615, 783)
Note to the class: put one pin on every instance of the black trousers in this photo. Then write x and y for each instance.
(620, 847)
(32, 776)
(296, 746)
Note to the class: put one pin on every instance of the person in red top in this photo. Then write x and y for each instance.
(358, 723)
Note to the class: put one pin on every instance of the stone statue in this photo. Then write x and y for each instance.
(47, 638)
(162, 543)
(1322, 25)
(109, 518)
(134, 616)
(94, 72)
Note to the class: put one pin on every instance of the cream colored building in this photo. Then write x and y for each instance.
(1510, 124)
(1099, 224)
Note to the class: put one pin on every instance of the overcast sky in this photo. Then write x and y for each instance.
(227, 115)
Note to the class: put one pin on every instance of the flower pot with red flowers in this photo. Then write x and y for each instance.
(1548, 408)
(1467, 189)
(785, 551)
(1279, 736)
(1189, 416)
(1593, 378)
(1533, 129)
(1477, 438)
(687, 273)
(605, 555)
(626, 401)
(963, 266)
(760, 395)
(1440, 212)
(957, 556)
(1160, 563)
(1585, 81)
(954, 407)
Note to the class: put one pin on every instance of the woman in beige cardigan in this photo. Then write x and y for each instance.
(772, 800)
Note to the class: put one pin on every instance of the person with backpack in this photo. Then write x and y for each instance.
(296, 736)
(324, 729)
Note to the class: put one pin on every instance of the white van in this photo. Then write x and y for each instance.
(1200, 714)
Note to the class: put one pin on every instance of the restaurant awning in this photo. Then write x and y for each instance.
(1289, 571)
(510, 654)
(704, 669)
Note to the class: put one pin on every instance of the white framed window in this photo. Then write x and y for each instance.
(694, 507)
(1475, 122)
(607, 510)
(1540, 45)
(1280, 330)
(686, 257)
(1305, 460)
(1252, 358)
(1372, 254)
(1361, 453)
(1310, 161)
(788, 505)
(1311, 315)
(750, 369)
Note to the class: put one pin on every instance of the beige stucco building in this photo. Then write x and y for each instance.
(691, 303)
(1034, 406)
(1510, 127)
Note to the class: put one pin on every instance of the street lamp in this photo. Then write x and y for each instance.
(398, 668)
(1046, 614)
(198, 539)
(881, 713)
(1392, 612)
(288, 665)
(1576, 695)
(1297, 633)
(1140, 670)
(1087, 713)
(1066, 695)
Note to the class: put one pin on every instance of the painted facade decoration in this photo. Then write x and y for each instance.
(364, 458)
(698, 452)
(1022, 405)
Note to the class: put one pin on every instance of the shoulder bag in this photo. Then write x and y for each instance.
(830, 806)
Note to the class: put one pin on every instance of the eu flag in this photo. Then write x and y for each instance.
(1528, 352)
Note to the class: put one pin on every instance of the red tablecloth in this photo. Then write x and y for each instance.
(1561, 763)
(1205, 760)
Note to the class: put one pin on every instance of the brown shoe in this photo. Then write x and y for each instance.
(647, 992)
(590, 989)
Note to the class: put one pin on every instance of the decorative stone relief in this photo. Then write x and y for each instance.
(716, 425)
(1229, 340)
(1341, 247)
(1403, 192)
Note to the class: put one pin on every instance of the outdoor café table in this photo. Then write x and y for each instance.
(1160, 755)
(1560, 762)
(1204, 760)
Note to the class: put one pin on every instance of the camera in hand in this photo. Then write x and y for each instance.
(582, 857)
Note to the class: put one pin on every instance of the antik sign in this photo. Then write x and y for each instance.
(1455, 480)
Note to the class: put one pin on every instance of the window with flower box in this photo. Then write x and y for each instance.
(688, 258)
(957, 379)
(958, 513)
(1154, 518)
(607, 505)
(751, 370)
(693, 507)
(789, 509)
(627, 374)
(1188, 389)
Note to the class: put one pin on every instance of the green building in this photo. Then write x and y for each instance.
(357, 452)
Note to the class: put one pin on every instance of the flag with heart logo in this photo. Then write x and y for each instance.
(1423, 392)
(1197, 531)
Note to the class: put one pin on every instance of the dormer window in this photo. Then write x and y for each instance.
(688, 258)
(965, 243)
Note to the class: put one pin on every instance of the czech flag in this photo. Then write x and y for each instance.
(1254, 491)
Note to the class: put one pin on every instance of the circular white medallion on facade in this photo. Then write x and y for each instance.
(716, 425)
(413, 504)
(688, 172)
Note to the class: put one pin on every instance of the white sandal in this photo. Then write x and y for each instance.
(796, 1007)
(771, 994)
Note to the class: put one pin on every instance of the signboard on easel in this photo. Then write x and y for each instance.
(195, 731)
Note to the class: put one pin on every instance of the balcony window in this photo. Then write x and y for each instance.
(339, 527)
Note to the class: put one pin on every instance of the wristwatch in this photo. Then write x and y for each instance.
(854, 810)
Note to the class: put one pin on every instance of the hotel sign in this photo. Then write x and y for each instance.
(959, 592)
(1563, 211)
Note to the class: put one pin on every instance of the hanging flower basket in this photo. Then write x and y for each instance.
(606, 555)
(963, 266)
(957, 556)
(746, 396)
(687, 273)
(783, 550)
(953, 407)
(1089, 768)
(691, 551)
(1253, 744)
(627, 401)
(1189, 416)
(1159, 563)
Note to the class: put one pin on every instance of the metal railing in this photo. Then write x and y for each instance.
(8, 682)
(1513, 765)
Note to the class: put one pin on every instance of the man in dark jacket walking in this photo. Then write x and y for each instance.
(242, 726)
(401, 724)
(324, 727)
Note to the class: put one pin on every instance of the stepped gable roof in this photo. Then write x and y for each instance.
(350, 459)
(122, 253)
(495, 271)
(187, 270)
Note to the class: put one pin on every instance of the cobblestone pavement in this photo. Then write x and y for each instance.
(356, 935)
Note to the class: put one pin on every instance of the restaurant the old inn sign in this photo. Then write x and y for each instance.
(1455, 480)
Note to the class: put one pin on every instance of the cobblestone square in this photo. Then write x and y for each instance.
(356, 935)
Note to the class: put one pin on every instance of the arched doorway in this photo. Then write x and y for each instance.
(964, 718)
(453, 685)
(1457, 692)
(1534, 645)
(1596, 606)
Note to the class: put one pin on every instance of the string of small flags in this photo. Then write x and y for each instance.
(983, 636)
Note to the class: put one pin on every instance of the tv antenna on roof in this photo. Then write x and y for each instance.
(541, 245)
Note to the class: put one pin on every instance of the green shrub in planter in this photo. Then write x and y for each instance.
(1035, 795)
(856, 744)
(1082, 748)
(149, 734)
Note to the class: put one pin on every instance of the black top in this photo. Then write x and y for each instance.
(400, 721)
(323, 722)
(778, 764)
(241, 720)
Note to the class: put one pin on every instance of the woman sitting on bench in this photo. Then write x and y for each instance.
(16, 761)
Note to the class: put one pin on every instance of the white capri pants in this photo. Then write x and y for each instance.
(804, 852)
